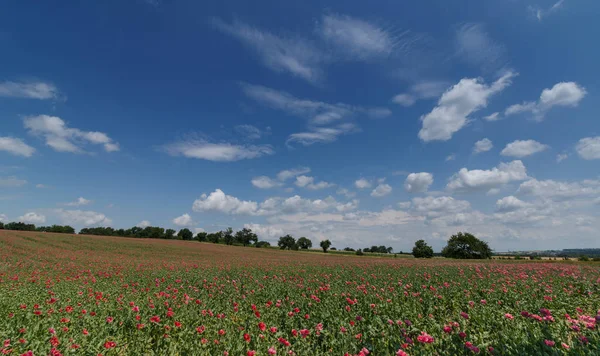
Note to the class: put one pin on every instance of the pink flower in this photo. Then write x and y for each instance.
(272, 351)
(509, 316)
(251, 353)
(401, 353)
(425, 338)
(549, 342)
(464, 315)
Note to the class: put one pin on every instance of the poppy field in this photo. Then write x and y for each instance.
(92, 295)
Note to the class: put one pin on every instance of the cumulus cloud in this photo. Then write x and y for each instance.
(520, 149)
(381, 190)
(79, 202)
(62, 138)
(451, 157)
(29, 90)
(32, 218)
(3, 218)
(264, 182)
(589, 148)
(217, 152)
(85, 218)
(560, 191)
(309, 183)
(457, 103)
(296, 56)
(291, 173)
(418, 182)
(11, 182)
(143, 224)
(16, 146)
(492, 117)
(219, 201)
(510, 203)
(565, 94)
(345, 192)
(477, 179)
(362, 183)
(483, 145)
(265, 232)
(183, 220)
(435, 207)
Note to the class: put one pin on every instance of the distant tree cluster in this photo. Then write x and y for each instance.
(288, 242)
(378, 249)
(244, 237)
(19, 226)
(460, 245)
(56, 228)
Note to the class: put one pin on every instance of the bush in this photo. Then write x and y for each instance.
(359, 252)
(583, 258)
(261, 244)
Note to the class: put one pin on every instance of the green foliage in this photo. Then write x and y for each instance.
(287, 242)
(262, 244)
(422, 250)
(214, 237)
(57, 228)
(378, 249)
(19, 226)
(325, 244)
(228, 237)
(1, 225)
(201, 236)
(246, 237)
(583, 258)
(185, 234)
(466, 246)
(349, 249)
(169, 233)
(359, 252)
(304, 243)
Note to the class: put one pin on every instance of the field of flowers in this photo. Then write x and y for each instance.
(90, 295)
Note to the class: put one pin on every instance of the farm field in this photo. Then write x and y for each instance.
(91, 295)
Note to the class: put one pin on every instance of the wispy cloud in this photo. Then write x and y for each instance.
(62, 138)
(29, 90)
(11, 182)
(421, 90)
(475, 46)
(321, 134)
(540, 13)
(79, 202)
(294, 55)
(16, 146)
(217, 152)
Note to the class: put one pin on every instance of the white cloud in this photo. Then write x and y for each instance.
(183, 220)
(198, 230)
(16, 146)
(32, 218)
(41, 186)
(560, 191)
(296, 56)
(561, 157)
(85, 218)
(79, 202)
(589, 148)
(456, 104)
(451, 157)
(143, 224)
(265, 232)
(404, 204)
(64, 139)
(291, 173)
(566, 94)
(362, 183)
(469, 180)
(418, 182)
(219, 201)
(309, 183)
(321, 134)
(492, 117)
(31, 90)
(264, 182)
(11, 182)
(540, 13)
(3, 218)
(524, 148)
(345, 192)
(510, 203)
(249, 132)
(435, 207)
(476, 47)
(356, 38)
(493, 191)
(483, 145)
(217, 152)
(421, 90)
(381, 190)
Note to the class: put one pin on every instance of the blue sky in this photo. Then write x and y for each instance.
(377, 123)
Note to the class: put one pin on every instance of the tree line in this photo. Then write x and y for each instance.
(21, 226)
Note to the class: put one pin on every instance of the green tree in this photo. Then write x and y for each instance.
(261, 244)
(304, 243)
(422, 250)
(287, 242)
(246, 237)
(201, 236)
(466, 246)
(1, 225)
(325, 244)
(214, 237)
(228, 236)
(185, 234)
(169, 234)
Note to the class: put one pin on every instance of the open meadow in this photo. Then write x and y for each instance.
(90, 295)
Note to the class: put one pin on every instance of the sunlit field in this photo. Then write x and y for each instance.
(90, 295)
